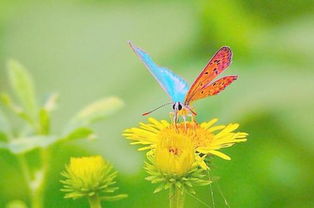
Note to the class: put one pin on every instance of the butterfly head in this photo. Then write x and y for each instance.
(182, 110)
(177, 106)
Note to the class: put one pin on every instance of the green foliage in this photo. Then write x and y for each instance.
(34, 132)
(279, 11)
(114, 198)
(4, 127)
(79, 133)
(40, 120)
(23, 87)
(26, 144)
(229, 25)
(96, 111)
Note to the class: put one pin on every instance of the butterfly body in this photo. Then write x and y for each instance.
(177, 88)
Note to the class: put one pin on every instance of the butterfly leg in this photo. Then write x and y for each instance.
(176, 119)
(184, 120)
(192, 120)
(173, 117)
(191, 113)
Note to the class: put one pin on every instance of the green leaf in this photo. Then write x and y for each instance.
(23, 87)
(6, 100)
(114, 198)
(5, 130)
(44, 113)
(3, 136)
(26, 144)
(159, 188)
(44, 121)
(51, 102)
(79, 133)
(97, 111)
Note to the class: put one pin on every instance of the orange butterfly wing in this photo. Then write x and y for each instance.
(214, 88)
(217, 64)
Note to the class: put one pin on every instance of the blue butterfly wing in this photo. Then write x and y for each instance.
(175, 86)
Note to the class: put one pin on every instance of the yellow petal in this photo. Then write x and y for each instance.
(206, 125)
(215, 128)
(220, 154)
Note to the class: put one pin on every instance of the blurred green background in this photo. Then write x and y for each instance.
(79, 49)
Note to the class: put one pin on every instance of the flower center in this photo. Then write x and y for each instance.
(199, 136)
(174, 150)
(175, 153)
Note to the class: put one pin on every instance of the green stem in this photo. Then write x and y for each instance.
(37, 198)
(24, 167)
(36, 201)
(35, 182)
(176, 197)
(39, 186)
(94, 201)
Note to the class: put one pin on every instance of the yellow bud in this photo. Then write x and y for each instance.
(88, 176)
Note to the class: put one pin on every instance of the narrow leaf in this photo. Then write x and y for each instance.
(5, 129)
(44, 121)
(114, 198)
(51, 102)
(97, 111)
(23, 86)
(26, 144)
(6, 100)
(79, 133)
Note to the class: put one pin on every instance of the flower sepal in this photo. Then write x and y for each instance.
(186, 182)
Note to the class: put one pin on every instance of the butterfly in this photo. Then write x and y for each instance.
(178, 89)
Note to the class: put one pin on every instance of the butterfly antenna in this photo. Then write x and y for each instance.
(190, 109)
(149, 112)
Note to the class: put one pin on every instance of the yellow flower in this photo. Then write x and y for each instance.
(87, 168)
(174, 154)
(87, 177)
(173, 143)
